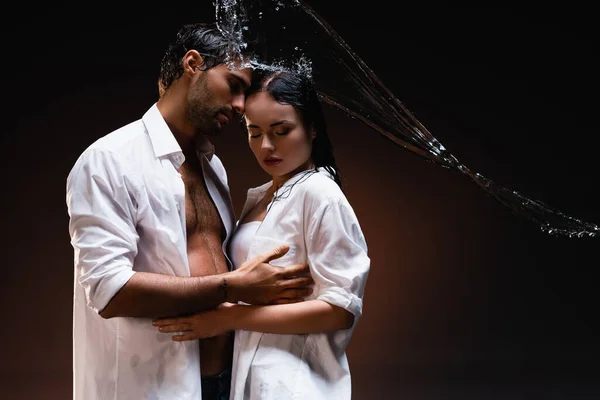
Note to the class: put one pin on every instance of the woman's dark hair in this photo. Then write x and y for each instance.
(299, 92)
(205, 38)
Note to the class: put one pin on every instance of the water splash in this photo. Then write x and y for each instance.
(289, 35)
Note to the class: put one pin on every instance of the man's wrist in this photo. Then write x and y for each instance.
(223, 288)
(230, 285)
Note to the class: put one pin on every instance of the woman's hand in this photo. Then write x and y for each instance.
(197, 326)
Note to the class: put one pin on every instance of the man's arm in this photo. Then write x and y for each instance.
(150, 295)
(102, 203)
(255, 282)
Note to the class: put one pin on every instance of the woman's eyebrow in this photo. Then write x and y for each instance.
(283, 121)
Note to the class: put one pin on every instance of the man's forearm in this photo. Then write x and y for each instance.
(149, 295)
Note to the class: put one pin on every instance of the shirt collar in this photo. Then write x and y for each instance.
(163, 141)
(207, 149)
(294, 179)
(161, 137)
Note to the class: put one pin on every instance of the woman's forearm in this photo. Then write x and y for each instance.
(311, 316)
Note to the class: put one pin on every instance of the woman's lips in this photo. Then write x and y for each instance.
(272, 162)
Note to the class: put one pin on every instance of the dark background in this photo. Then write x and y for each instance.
(465, 300)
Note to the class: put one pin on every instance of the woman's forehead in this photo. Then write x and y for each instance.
(262, 106)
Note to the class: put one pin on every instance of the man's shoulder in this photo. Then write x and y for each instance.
(123, 139)
(129, 142)
(122, 146)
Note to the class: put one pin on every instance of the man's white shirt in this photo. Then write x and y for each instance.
(126, 202)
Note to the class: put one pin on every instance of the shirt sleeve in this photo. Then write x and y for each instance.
(102, 210)
(337, 254)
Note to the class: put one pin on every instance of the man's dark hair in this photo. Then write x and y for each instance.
(205, 38)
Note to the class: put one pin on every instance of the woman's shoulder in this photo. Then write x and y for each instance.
(321, 186)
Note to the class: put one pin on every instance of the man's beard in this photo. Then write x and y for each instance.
(201, 110)
(202, 118)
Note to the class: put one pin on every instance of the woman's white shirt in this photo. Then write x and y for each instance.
(312, 215)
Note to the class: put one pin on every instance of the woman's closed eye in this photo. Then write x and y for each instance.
(254, 135)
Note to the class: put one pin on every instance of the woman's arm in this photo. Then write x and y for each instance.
(310, 316)
(306, 317)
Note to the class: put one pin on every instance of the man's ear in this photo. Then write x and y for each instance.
(192, 60)
(313, 132)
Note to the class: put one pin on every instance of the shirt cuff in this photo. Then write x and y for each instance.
(341, 298)
(99, 295)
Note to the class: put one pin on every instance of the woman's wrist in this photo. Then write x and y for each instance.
(230, 313)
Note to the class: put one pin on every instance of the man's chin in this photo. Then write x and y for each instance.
(215, 132)
(211, 131)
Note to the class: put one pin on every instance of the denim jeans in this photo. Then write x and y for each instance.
(216, 387)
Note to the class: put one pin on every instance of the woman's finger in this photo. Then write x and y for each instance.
(184, 337)
(181, 327)
(166, 321)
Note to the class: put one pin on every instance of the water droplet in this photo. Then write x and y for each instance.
(358, 91)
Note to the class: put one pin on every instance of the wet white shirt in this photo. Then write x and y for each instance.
(314, 217)
(126, 202)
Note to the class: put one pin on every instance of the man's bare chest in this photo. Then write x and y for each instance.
(200, 211)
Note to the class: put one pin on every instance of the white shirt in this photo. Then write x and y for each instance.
(126, 202)
(241, 240)
(314, 217)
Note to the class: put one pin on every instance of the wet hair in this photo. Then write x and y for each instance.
(299, 92)
(205, 38)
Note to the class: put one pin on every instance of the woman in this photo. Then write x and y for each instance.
(294, 350)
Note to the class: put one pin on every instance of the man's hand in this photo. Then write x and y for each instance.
(258, 282)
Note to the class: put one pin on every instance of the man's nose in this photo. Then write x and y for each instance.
(238, 103)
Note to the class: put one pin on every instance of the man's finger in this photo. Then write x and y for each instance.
(294, 271)
(266, 256)
(277, 252)
(297, 293)
(301, 282)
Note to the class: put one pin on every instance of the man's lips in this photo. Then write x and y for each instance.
(223, 118)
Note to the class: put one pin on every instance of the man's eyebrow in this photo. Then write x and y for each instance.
(242, 81)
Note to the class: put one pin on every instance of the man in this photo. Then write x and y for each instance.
(150, 218)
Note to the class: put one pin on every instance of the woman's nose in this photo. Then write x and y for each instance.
(267, 144)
